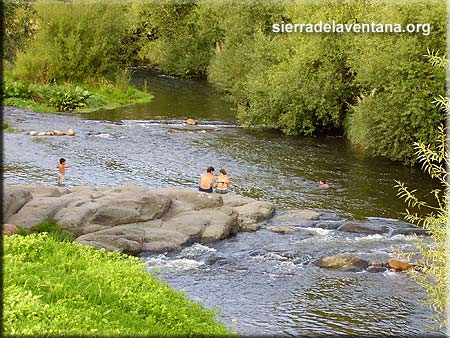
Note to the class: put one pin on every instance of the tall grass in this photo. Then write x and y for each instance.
(62, 288)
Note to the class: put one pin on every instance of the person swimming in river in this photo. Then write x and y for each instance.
(323, 184)
(207, 181)
(62, 170)
(223, 182)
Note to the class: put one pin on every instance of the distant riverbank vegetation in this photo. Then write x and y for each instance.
(376, 89)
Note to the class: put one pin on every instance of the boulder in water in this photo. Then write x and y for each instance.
(364, 228)
(343, 262)
(57, 132)
(191, 122)
(410, 231)
(282, 229)
(399, 264)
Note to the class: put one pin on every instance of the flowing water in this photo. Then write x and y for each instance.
(261, 282)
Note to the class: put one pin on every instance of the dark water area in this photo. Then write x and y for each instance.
(261, 282)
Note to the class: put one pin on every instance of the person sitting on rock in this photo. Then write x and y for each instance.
(207, 181)
(323, 184)
(223, 182)
(62, 170)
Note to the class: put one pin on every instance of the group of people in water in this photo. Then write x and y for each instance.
(222, 184)
(207, 180)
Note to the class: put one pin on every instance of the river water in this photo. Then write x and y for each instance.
(262, 283)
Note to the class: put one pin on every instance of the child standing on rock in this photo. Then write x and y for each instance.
(62, 170)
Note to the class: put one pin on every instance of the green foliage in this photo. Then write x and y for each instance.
(52, 98)
(70, 100)
(76, 41)
(17, 89)
(53, 229)
(435, 159)
(61, 289)
(19, 27)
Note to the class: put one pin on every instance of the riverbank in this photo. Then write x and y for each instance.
(51, 98)
(66, 289)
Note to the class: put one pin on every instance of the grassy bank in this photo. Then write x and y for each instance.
(60, 288)
(49, 98)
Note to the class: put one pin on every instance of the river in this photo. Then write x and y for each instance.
(261, 282)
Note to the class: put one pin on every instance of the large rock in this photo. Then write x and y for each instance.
(186, 199)
(205, 225)
(127, 239)
(343, 262)
(14, 199)
(255, 211)
(38, 210)
(133, 218)
(292, 216)
(364, 228)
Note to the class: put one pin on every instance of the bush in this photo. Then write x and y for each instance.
(70, 99)
(435, 160)
(67, 289)
(17, 89)
(76, 41)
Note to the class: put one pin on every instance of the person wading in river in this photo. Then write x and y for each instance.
(62, 170)
(223, 182)
(207, 180)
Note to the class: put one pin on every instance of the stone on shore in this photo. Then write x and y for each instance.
(9, 229)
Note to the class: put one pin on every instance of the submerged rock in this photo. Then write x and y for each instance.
(410, 231)
(364, 228)
(343, 262)
(282, 229)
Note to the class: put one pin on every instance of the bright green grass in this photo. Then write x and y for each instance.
(62, 288)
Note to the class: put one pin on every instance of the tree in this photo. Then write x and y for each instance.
(435, 160)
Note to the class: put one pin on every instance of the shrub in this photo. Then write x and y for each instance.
(435, 160)
(76, 41)
(17, 89)
(70, 99)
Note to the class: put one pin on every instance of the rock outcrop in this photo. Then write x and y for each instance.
(133, 219)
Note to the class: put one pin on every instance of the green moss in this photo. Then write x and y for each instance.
(61, 289)
(53, 229)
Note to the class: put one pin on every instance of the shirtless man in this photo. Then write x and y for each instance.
(207, 180)
(323, 184)
(62, 170)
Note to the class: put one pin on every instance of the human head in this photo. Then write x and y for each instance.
(62, 160)
(223, 171)
(322, 182)
(210, 170)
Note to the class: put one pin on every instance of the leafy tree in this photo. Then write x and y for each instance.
(76, 41)
(435, 160)
(18, 25)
